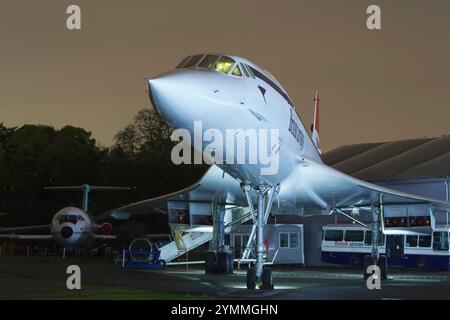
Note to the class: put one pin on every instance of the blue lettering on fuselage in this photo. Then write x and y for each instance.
(294, 129)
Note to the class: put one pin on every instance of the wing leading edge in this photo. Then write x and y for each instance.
(314, 188)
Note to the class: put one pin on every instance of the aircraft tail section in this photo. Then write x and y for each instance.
(315, 127)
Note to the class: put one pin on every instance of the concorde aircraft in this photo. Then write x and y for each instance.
(222, 92)
(70, 227)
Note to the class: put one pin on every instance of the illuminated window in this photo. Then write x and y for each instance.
(224, 64)
(193, 61)
(237, 71)
(208, 61)
(183, 62)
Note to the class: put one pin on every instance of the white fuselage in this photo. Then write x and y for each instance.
(224, 101)
(72, 226)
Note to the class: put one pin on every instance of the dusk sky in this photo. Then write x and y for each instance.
(374, 85)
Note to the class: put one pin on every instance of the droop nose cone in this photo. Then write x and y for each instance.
(182, 97)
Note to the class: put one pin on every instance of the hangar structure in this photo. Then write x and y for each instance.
(418, 166)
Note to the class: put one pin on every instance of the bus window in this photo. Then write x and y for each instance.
(368, 238)
(354, 235)
(424, 241)
(411, 241)
(440, 241)
(334, 235)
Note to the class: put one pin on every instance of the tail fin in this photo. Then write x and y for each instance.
(315, 128)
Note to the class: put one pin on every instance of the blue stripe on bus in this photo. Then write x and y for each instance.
(439, 262)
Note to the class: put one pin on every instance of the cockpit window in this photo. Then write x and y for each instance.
(183, 62)
(208, 61)
(68, 218)
(193, 61)
(237, 71)
(224, 64)
(245, 70)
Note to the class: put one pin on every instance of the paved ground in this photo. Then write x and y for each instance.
(292, 283)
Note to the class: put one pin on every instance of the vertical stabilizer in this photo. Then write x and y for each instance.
(315, 127)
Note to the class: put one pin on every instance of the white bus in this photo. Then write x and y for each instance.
(347, 244)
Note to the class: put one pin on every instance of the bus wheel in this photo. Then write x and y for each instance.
(162, 263)
(354, 262)
(423, 264)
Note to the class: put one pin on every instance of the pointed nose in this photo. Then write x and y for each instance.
(184, 96)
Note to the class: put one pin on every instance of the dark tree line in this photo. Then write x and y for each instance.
(35, 156)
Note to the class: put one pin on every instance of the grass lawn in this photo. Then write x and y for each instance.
(16, 287)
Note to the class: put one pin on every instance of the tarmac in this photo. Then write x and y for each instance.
(290, 282)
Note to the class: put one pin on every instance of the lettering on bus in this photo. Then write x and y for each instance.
(348, 244)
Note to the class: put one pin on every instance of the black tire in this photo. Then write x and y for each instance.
(354, 262)
(267, 281)
(222, 262)
(368, 261)
(211, 262)
(162, 263)
(423, 264)
(251, 278)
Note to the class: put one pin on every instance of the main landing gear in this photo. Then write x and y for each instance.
(259, 274)
(375, 258)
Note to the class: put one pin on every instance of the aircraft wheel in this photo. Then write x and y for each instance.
(211, 262)
(368, 261)
(267, 281)
(251, 278)
(382, 263)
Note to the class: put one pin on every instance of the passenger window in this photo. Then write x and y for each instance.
(440, 241)
(193, 61)
(224, 64)
(183, 62)
(354, 235)
(368, 239)
(208, 61)
(411, 241)
(237, 71)
(424, 241)
(334, 235)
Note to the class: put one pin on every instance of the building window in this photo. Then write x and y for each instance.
(289, 240)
